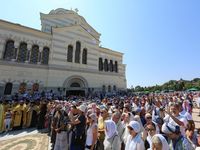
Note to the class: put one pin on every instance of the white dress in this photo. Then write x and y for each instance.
(89, 138)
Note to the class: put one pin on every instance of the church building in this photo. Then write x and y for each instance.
(64, 56)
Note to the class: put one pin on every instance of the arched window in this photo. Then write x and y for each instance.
(111, 66)
(114, 88)
(109, 88)
(45, 56)
(75, 84)
(35, 87)
(100, 64)
(104, 88)
(116, 66)
(70, 53)
(77, 52)
(22, 52)
(84, 56)
(34, 54)
(106, 65)
(9, 50)
(22, 88)
(8, 88)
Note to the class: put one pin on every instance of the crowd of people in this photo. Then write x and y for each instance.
(135, 122)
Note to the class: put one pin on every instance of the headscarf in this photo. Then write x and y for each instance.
(131, 143)
(137, 118)
(135, 126)
(186, 106)
(111, 128)
(165, 145)
(168, 128)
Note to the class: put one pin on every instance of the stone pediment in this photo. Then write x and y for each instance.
(61, 14)
(78, 29)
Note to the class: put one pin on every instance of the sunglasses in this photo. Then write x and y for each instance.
(150, 130)
(149, 118)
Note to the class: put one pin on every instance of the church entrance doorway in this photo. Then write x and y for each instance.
(76, 86)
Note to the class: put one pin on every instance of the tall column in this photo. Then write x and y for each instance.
(16, 51)
(2, 47)
(40, 55)
(73, 58)
(28, 55)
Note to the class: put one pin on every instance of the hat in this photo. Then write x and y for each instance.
(74, 103)
(93, 116)
(148, 115)
(113, 107)
(103, 107)
(56, 101)
(135, 126)
(138, 110)
(82, 108)
(122, 98)
(126, 105)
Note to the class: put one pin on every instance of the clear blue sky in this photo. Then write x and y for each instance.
(160, 39)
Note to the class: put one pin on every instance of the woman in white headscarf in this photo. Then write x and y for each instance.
(159, 143)
(112, 140)
(137, 118)
(134, 141)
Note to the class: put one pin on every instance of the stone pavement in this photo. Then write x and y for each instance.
(27, 139)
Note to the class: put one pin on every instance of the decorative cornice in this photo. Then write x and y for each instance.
(58, 67)
(23, 29)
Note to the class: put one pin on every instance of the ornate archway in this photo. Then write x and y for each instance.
(76, 85)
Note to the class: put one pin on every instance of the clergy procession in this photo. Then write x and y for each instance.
(135, 122)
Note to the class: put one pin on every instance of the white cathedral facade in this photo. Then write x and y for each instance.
(65, 56)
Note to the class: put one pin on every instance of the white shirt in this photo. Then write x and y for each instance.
(135, 143)
(89, 138)
(149, 140)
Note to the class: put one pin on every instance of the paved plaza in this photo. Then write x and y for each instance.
(30, 139)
